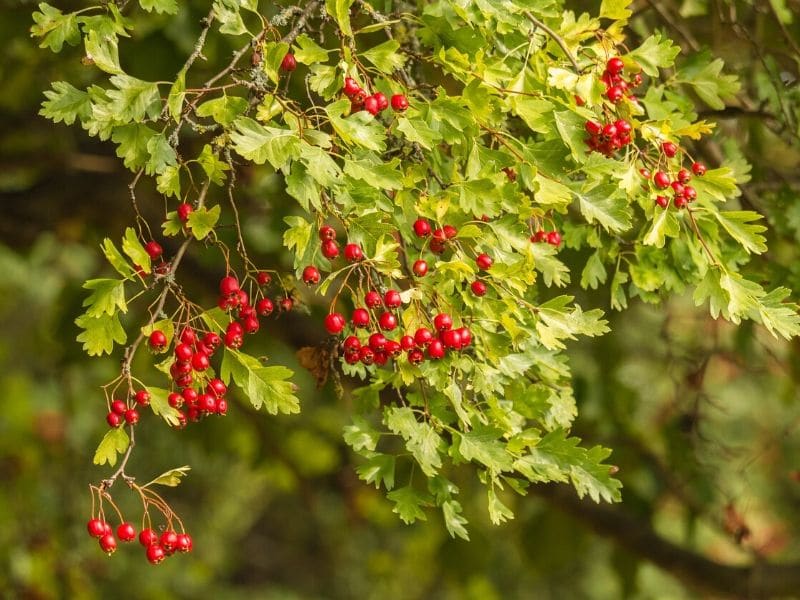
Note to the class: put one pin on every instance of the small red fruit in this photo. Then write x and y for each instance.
(615, 65)
(449, 232)
(684, 176)
(326, 232)
(554, 238)
(366, 355)
(286, 304)
(228, 285)
(184, 542)
(422, 337)
(233, 339)
(113, 420)
(669, 149)
(373, 299)
(216, 387)
(155, 554)
(690, 193)
(351, 88)
(360, 317)
(387, 321)
(263, 278)
(615, 93)
(142, 398)
(407, 342)
(399, 102)
(108, 543)
(484, 262)
(168, 540)
(466, 336)
(264, 307)
(377, 341)
(383, 102)
(330, 249)
(422, 228)
(96, 528)
(442, 322)
(334, 323)
(200, 361)
(593, 128)
(415, 356)
(371, 105)
(131, 416)
(184, 210)
(157, 341)
(420, 268)
(351, 344)
(392, 299)
(435, 350)
(353, 253)
(153, 249)
(698, 169)
(311, 275)
(662, 201)
(147, 537)
(451, 339)
(478, 288)
(661, 180)
(126, 532)
(119, 407)
(289, 63)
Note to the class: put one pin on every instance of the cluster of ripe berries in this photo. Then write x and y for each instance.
(617, 87)
(608, 138)
(378, 349)
(682, 192)
(157, 547)
(550, 237)
(233, 298)
(374, 104)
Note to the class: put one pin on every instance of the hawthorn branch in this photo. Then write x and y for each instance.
(756, 580)
(555, 37)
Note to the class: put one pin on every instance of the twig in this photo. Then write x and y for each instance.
(556, 38)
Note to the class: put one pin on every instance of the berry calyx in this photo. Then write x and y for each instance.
(334, 323)
(399, 102)
(311, 275)
(289, 63)
(153, 249)
(420, 268)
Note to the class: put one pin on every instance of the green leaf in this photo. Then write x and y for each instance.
(159, 403)
(171, 478)
(615, 9)
(103, 51)
(594, 273)
(360, 129)
(264, 386)
(408, 504)
(177, 92)
(654, 53)
(319, 165)
(134, 99)
(100, 333)
(483, 446)
(169, 182)
(273, 53)
(115, 258)
(66, 103)
(361, 435)
(213, 167)
(417, 131)
(378, 469)
(340, 11)
(108, 296)
(421, 439)
(778, 316)
(201, 221)
(162, 155)
(385, 56)
(114, 442)
(739, 224)
(498, 512)
(570, 127)
(55, 27)
(709, 289)
(550, 192)
(705, 77)
(227, 13)
(297, 238)
(605, 204)
(453, 520)
(132, 143)
(261, 144)
(308, 51)
(134, 249)
(378, 174)
(665, 224)
(169, 7)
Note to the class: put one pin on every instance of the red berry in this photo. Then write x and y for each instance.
(450, 232)
(157, 341)
(435, 350)
(677, 188)
(216, 387)
(206, 403)
(399, 102)
(334, 323)
(184, 543)
(422, 228)
(330, 249)
(311, 275)
(373, 299)
(579, 101)
(175, 400)
(147, 537)
(610, 130)
(484, 262)
(636, 80)
(511, 174)
(661, 180)
(183, 352)
(377, 341)
(371, 105)
(351, 344)
(351, 358)
(662, 201)
(184, 210)
(360, 317)
(437, 245)
(289, 63)
(387, 321)
(615, 65)
(420, 268)
(263, 278)
(286, 304)
(142, 398)
(233, 339)
(466, 336)
(228, 285)
(108, 543)
(690, 193)
(212, 340)
(593, 127)
(392, 348)
(415, 356)
(119, 407)
(353, 253)
(126, 532)
(644, 173)
(422, 337)
(392, 299)
(244, 299)
(366, 355)
(190, 395)
(131, 416)
(622, 126)
(669, 149)
(200, 361)
(326, 232)
(451, 339)
(251, 324)
(554, 238)
(615, 93)
(113, 419)
(153, 249)
(264, 307)
(358, 99)
(680, 201)
(684, 176)
(698, 169)
(407, 342)
(351, 88)
(442, 322)
(478, 288)
(96, 528)
(155, 554)
(383, 102)
(222, 407)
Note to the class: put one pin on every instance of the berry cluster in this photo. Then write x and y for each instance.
(610, 137)
(550, 237)
(374, 104)
(675, 179)
(157, 547)
(617, 87)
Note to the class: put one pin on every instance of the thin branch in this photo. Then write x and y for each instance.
(556, 38)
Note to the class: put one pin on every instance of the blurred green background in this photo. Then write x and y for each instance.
(703, 416)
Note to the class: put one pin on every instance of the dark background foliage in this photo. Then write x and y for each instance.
(703, 416)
